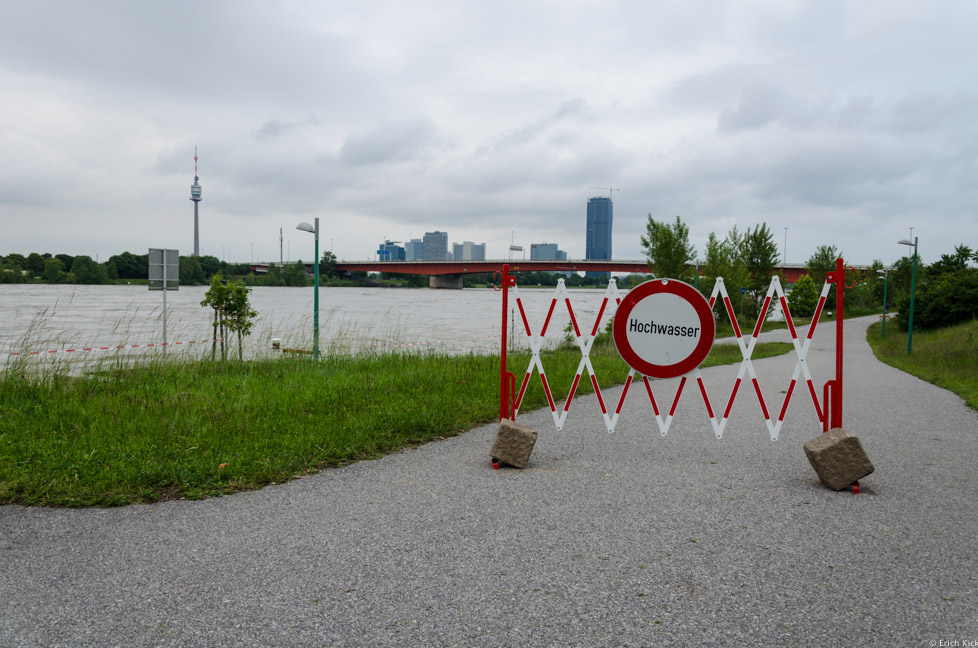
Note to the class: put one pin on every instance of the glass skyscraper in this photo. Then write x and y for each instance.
(599, 217)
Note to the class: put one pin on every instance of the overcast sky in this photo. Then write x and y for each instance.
(847, 123)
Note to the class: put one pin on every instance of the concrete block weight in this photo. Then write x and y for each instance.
(838, 458)
(514, 443)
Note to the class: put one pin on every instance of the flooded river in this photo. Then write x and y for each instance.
(52, 323)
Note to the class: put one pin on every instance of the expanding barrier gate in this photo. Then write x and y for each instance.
(828, 411)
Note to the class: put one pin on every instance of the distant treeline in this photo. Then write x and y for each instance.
(120, 268)
(129, 267)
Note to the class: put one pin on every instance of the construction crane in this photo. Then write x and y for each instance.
(610, 190)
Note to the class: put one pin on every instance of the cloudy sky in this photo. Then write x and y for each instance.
(846, 122)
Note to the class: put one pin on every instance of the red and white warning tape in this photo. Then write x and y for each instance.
(108, 348)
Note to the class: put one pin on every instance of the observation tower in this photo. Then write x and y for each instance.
(195, 196)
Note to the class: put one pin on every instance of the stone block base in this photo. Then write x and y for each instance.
(514, 443)
(838, 458)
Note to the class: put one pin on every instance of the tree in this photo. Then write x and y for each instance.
(35, 263)
(724, 260)
(668, 249)
(941, 299)
(211, 265)
(11, 272)
(232, 312)
(803, 297)
(66, 259)
(53, 271)
(295, 274)
(956, 262)
(821, 263)
(217, 298)
(191, 273)
(86, 271)
(239, 313)
(111, 271)
(17, 261)
(327, 267)
(131, 266)
(273, 277)
(760, 257)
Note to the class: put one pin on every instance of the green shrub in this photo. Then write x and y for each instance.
(803, 297)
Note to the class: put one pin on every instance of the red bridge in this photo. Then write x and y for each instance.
(448, 274)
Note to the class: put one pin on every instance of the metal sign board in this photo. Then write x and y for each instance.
(164, 269)
(664, 328)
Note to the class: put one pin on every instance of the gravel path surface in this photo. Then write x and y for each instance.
(630, 539)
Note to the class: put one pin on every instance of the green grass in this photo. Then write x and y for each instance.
(195, 429)
(945, 357)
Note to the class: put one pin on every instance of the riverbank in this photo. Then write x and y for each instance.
(194, 429)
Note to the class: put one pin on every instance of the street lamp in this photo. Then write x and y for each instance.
(306, 227)
(886, 274)
(913, 282)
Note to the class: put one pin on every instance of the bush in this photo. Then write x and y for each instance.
(942, 300)
(803, 298)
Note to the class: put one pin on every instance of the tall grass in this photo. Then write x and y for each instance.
(197, 428)
(945, 357)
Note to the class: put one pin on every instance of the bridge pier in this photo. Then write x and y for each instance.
(451, 282)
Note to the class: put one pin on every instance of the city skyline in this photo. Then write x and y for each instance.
(840, 124)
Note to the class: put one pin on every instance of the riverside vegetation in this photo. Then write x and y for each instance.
(946, 357)
(192, 429)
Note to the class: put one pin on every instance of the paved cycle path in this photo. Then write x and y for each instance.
(630, 539)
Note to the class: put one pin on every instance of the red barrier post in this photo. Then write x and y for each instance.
(833, 388)
(507, 380)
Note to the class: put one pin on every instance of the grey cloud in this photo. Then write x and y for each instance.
(758, 106)
(524, 134)
(273, 128)
(392, 142)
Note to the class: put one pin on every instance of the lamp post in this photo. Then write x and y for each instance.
(886, 274)
(913, 282)
(306, 227)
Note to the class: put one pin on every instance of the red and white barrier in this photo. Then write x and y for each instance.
(829, 413)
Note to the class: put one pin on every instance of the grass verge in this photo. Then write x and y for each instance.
(945, 357)
(202, 428)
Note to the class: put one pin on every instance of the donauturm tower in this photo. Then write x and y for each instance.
(195, 196)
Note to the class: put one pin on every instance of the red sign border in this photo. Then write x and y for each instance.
(685, 292)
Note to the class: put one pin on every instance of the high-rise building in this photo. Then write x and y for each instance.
(546, 252)
(414, 250)
(391, 251)
(599, 218)
(468, 251)
(435, 246)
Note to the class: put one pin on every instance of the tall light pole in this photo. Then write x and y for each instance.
(306, 227)
(913, 283)
(784, 253)
(886, 274)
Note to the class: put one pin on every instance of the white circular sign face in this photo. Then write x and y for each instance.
(664, 328)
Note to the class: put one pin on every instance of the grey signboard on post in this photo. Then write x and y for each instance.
(164, 269)
(164, 274)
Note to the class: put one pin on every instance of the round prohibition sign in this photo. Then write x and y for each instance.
(664, 328)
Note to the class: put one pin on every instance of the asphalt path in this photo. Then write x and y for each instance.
(628, 539)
